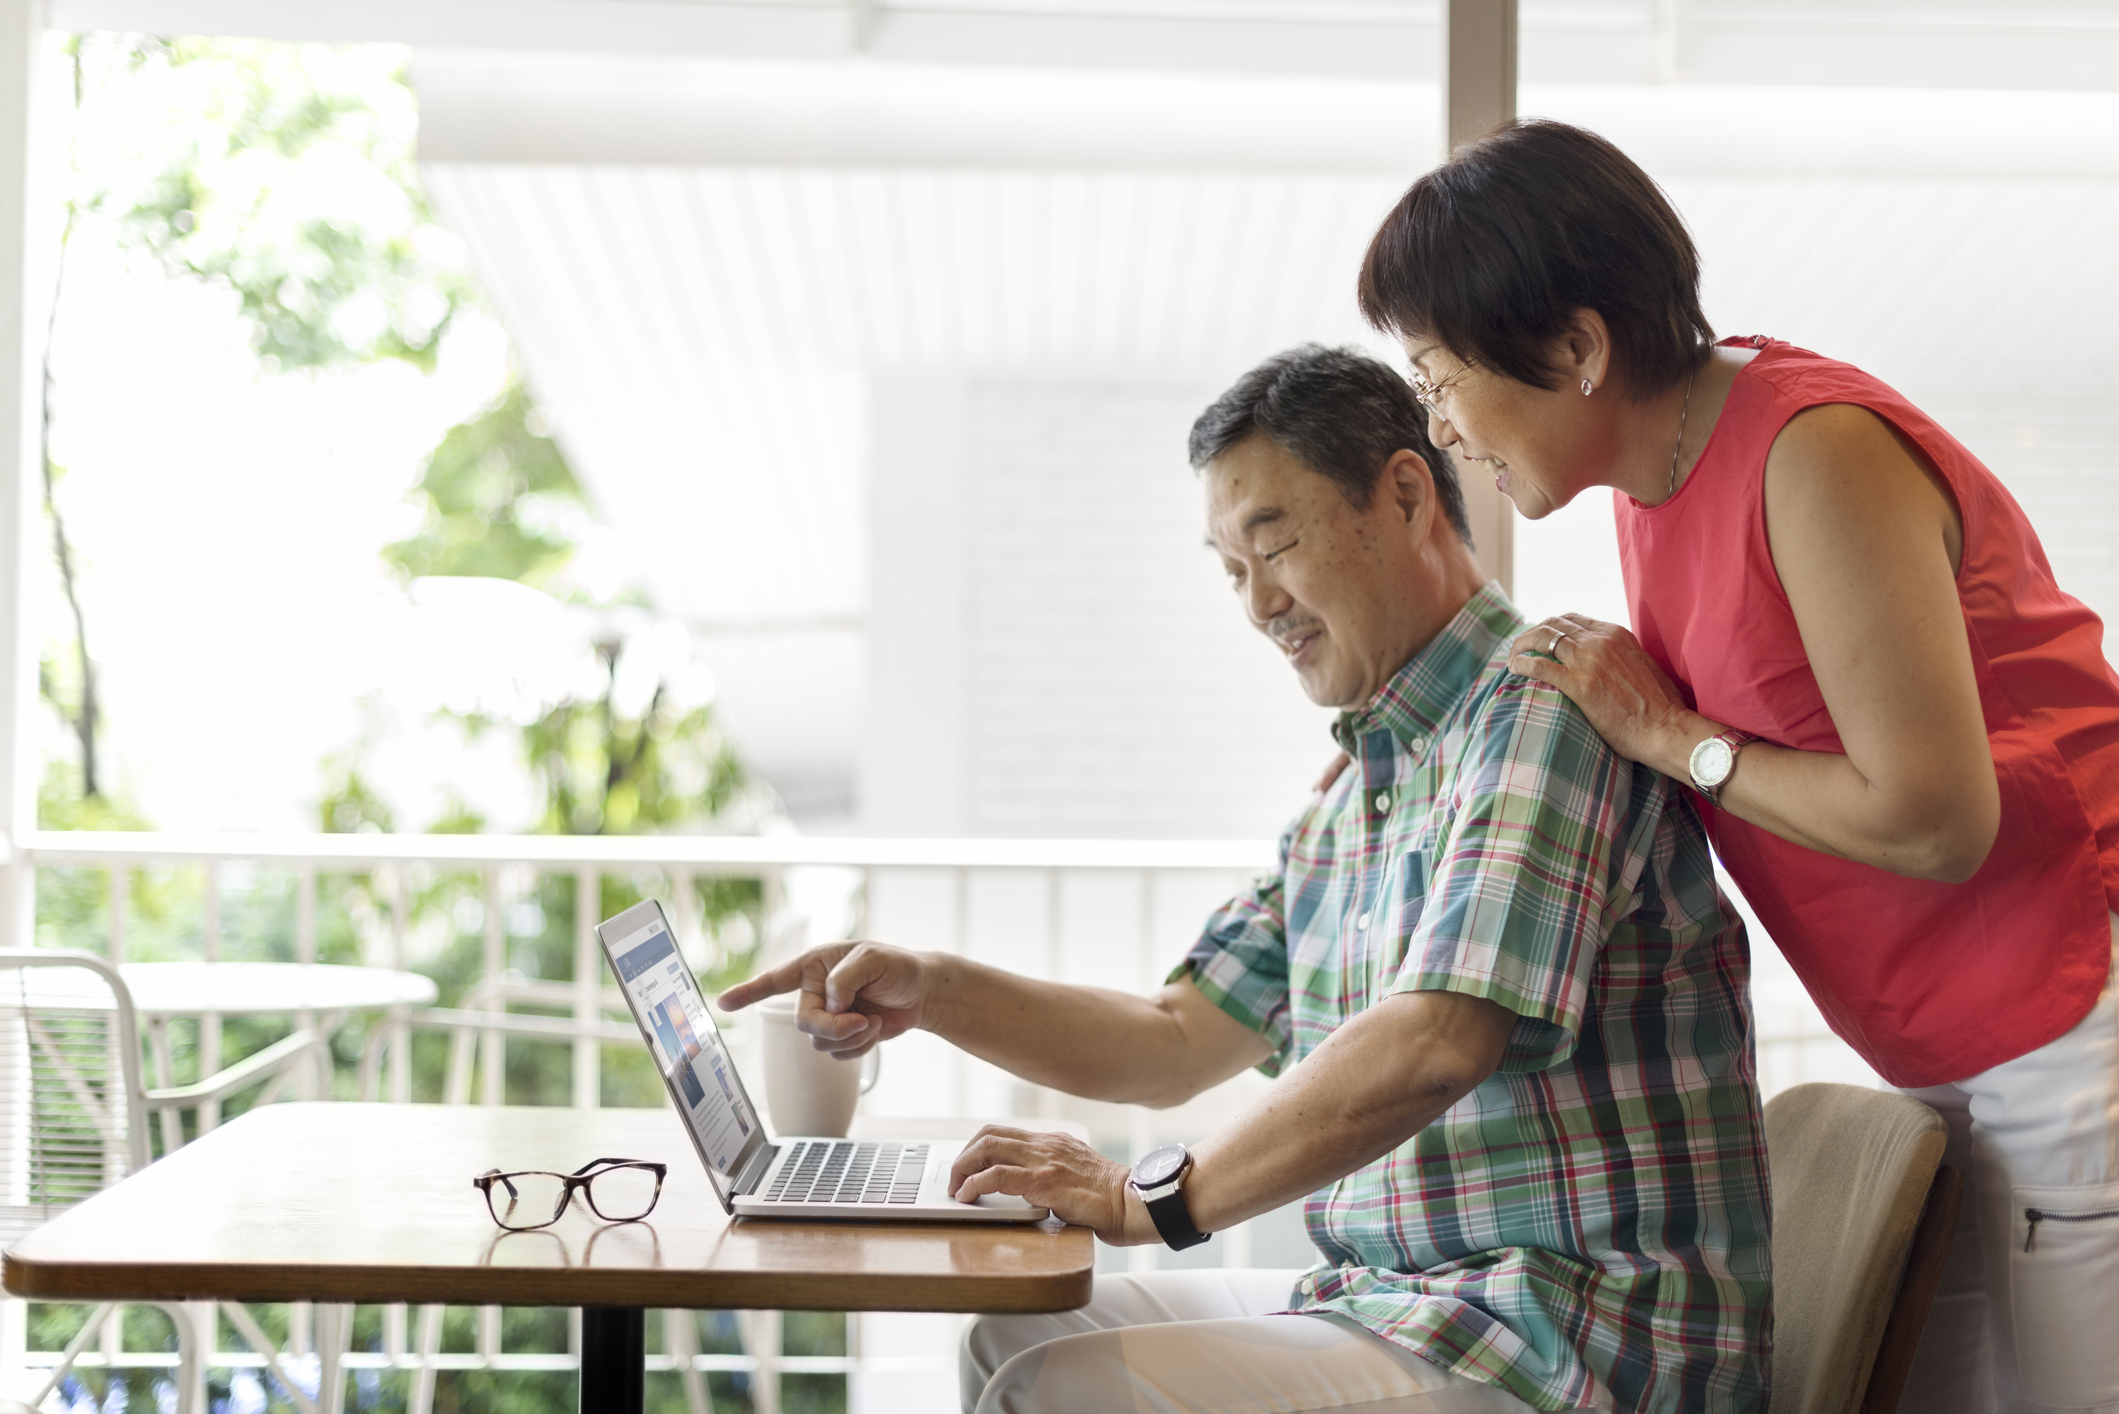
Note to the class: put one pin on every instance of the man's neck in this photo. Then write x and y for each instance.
(1453, 577)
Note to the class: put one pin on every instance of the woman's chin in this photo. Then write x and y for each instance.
(1530, 503)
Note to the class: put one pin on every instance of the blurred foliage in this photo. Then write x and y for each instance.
(497, 499)
(63, 805)
(609, 774)
(282, 173)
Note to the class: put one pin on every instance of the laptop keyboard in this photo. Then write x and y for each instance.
(848, 1171)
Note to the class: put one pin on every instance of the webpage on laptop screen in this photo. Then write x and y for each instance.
(686, 1045)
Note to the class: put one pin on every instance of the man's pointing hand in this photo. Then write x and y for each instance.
(851, 995)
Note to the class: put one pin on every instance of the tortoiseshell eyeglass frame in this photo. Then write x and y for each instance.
(581, 1178)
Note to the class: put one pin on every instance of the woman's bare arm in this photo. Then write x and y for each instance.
(1867, 544)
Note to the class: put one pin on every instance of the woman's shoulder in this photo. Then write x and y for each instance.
(1804, 378)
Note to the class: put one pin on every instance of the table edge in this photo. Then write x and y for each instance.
(698, 1289)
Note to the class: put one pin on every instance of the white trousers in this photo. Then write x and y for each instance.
(2027, 1319)
(1202, 1342)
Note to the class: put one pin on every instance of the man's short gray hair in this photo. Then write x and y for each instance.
(1342, 413)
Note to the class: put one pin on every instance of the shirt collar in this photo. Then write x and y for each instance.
(1421, 695)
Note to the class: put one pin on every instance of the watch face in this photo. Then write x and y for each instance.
(1711, 761)
(1159, 1166)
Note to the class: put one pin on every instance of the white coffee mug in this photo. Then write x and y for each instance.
(808, 1091)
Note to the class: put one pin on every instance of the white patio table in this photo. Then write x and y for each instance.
(170, 989)
(324, 992)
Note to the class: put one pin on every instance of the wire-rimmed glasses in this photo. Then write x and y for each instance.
(1429, 394)
(616, 1190)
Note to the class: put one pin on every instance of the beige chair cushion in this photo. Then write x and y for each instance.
(1851, 1170)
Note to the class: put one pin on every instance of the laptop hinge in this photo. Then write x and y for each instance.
(754, 1172)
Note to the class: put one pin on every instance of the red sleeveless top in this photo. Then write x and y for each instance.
(1929, 982)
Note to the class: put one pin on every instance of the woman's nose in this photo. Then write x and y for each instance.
(1439, 430)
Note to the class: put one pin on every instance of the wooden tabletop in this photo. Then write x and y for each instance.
(374, 1203)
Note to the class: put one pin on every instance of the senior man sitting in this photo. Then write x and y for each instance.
(1503, 996)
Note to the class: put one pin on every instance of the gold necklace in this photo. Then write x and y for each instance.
(1683, 413)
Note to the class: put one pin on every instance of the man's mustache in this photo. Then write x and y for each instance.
(1282, 629)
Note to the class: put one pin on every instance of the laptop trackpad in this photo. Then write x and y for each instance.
(1006, 1202)
(936, 1189)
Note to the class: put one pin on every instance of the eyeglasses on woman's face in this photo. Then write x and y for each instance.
(1429, 393)
(616, 1190)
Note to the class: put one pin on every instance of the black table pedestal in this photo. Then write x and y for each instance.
(613, 1359)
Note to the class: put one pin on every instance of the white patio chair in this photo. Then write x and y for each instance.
(74, 1112)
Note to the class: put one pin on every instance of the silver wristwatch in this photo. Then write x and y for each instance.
(1713, 760)
(1159, 1180)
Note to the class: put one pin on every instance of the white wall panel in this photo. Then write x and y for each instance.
(1116, 688)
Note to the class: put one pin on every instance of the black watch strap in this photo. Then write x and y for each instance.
(1174, 1220)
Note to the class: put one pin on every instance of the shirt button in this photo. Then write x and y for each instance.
(1383, 802)
(1362, 923)
(1309, 1286)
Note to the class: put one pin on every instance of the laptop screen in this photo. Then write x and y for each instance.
(688, 1049)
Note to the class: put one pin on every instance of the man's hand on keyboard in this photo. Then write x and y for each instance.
(1055, 1171)
(852, 995)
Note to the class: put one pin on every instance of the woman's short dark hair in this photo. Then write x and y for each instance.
(1338, 411)
(1492, 252)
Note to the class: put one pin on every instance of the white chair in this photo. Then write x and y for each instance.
(74, 1117)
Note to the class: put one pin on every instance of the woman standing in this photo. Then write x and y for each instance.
(1906, 737)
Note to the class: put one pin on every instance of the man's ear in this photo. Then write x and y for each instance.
(1410, 483)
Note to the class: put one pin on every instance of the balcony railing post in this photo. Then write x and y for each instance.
(120, 881)
(400, 1034)
(761, 1335)
(210, 1024)
(588, 977)
(315, 1078)
(493, 1053)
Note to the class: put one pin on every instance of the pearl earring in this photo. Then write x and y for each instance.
(1586, 388)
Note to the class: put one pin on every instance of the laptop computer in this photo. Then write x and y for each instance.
(793, 1176)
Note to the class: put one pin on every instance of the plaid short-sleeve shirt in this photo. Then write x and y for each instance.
(1588, 1227)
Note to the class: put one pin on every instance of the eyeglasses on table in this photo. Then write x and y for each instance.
(616, 1190)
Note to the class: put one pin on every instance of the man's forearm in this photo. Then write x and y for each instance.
(1087, 1041)
(1379, 1080)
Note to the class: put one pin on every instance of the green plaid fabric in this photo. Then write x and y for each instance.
(1589, 1227)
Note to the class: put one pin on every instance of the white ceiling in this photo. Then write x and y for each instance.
(2000, 44)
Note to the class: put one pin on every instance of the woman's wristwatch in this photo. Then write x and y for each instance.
(1159, 1180)
(1713, 760)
